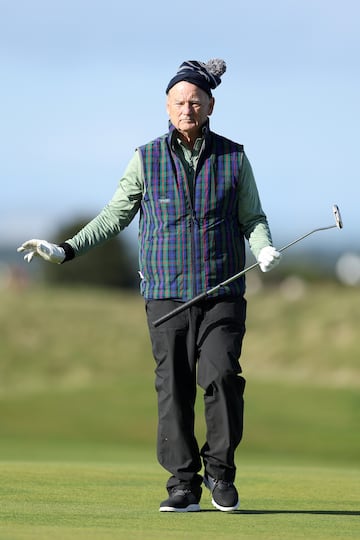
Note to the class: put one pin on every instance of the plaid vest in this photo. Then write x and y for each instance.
(190, 244)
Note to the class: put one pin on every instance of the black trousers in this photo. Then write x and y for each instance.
(201, 345)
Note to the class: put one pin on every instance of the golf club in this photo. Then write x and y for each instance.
(202, 296)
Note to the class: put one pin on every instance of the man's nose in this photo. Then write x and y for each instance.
(187, 108)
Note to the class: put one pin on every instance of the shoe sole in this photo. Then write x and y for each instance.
(225, 508)
(218, 506)
(190, 508)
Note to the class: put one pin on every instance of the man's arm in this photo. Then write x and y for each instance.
(253, 220)
(114, 217)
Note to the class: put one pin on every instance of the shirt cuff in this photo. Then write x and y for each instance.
(69, 252)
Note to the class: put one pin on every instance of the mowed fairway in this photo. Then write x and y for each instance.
(78, 420)
(96, 500)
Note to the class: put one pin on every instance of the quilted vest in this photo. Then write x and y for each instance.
(188, 244)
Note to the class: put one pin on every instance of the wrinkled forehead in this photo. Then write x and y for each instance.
(185, 90)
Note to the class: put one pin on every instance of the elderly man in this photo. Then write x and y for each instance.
(198, 202)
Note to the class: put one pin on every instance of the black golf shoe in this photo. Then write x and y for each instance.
(181, 500)
(224, 494)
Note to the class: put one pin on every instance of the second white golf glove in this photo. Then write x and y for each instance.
(41, 248)
(268, 258)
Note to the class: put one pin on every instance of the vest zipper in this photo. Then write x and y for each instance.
(190, 196)
(193, 223)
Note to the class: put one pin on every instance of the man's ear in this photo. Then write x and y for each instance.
(211, 105)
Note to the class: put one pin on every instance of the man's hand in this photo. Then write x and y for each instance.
(268, 258)
(41, 248)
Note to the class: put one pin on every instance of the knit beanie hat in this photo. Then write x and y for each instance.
(206, 76)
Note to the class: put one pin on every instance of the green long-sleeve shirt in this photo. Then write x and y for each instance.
(125, 203)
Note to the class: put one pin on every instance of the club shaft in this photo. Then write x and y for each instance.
(183, 306)
(306, 235)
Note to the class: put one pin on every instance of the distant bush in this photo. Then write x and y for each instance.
(113, 264)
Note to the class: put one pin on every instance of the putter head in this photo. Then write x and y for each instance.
(337, 217)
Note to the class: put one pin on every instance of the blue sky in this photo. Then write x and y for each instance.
(83, 84)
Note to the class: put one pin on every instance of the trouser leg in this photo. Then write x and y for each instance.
(175, 381)
(220, 339)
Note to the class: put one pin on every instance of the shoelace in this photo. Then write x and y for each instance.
(177, 491)
(223, 483)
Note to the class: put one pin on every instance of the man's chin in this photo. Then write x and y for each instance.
(188, 129)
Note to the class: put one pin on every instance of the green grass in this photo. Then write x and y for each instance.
(307, 425)
(73, 338)
(113, 501)
(78, 420)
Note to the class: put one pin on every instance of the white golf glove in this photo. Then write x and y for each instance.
(41, 248)
(268, 258)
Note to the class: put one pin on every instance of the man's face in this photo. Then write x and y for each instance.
(188, 107)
